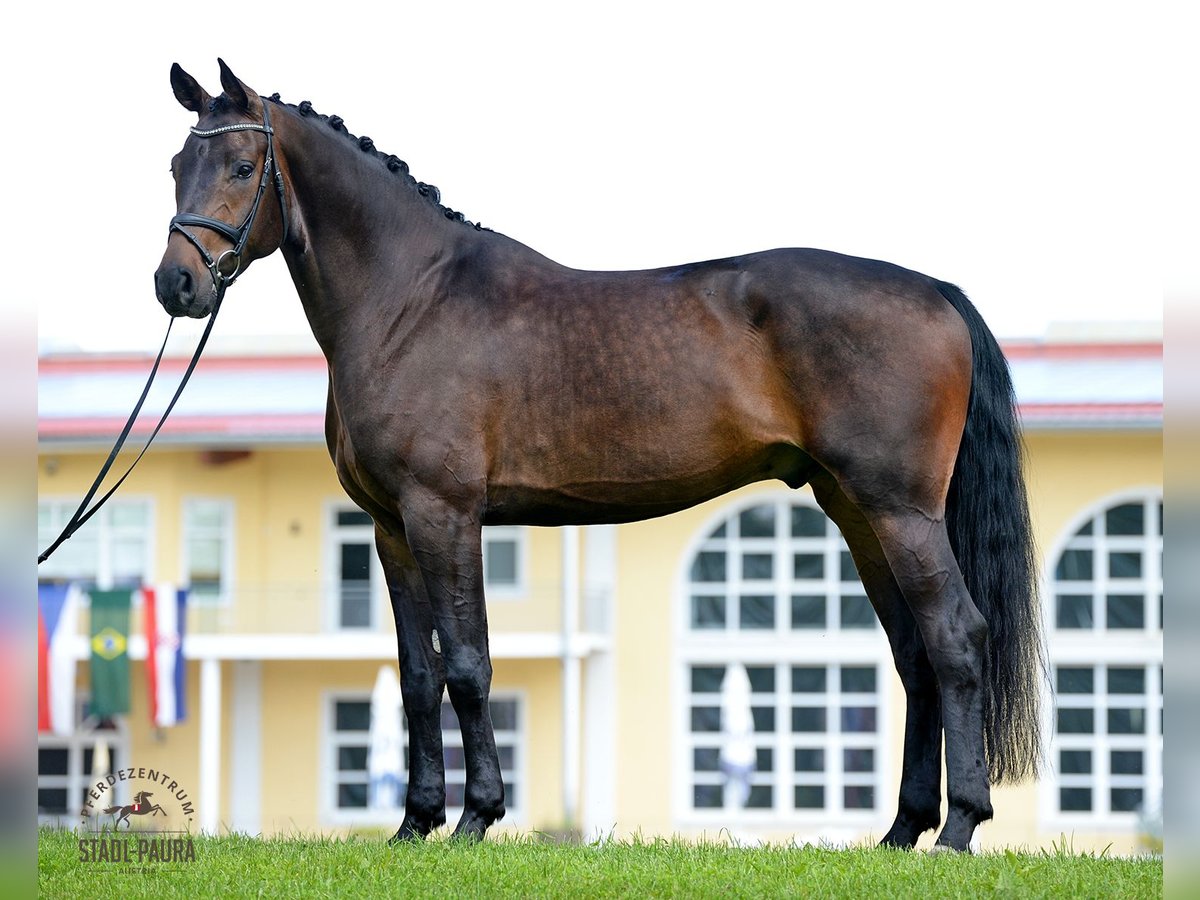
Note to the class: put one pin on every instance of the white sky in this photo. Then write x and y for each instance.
(1012, 152)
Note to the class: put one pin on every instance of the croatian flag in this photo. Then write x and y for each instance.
(58, 627)
(165, 611)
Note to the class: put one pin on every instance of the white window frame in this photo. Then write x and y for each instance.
(331, 814)
(519, 535)
(784, 647)
(229, 542)
(84, 737)
(332, 536)
(1100, 648)
(102, 525)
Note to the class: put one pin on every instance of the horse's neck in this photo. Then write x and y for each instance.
(365, 239)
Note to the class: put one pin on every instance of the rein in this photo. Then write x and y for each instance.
(238, 237)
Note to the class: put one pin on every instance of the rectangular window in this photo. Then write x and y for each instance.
(355, 569)
(823, 717)
(349, 742)
(113, 550)
(208, 549)
(504, 560)
(66, 767)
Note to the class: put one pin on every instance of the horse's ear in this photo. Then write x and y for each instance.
(237, 92)
(187, 90)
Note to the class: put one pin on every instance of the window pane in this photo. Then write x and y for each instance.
(707, 679)
(858, 719)
(759, 521)
(808, 719)
(857, 612)
(504, 714)
(858, 759)
(810, 796)
(1129, 518)
(449, 716)
(1126, 611)
(1125, 564)
(858, 796)
(808, 611)
(764, 759)
(706, 718)
(53, 761)
(52, 800)
(758, 566)
(352, 759)
(1126, 799)
(809, 759)
(848, 570)
(208, 514)
(718, 532)
(500, 561)
(352, 715)
(352, 796)
(346, 517)
(709, 565)
(1075, 799)
(1074, 565)
(708, 796)
(456, 793)
(762, 679)
(808, 679)
(764, 719)
(1073, 611)
(858, 679)
(808, 565)
(508, 756)
(1076, 721)
(1075, 680)
(1126, 762)
(708, 612)
(454, 759)
(129, 515)
(808, 522)
(756, 612)
(1126, 721)
(762, 796)
(706, 759)
(1075, 762)
(1123, 680)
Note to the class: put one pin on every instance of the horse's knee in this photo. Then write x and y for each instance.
(468, 677)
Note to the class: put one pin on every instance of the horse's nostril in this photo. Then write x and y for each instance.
(187, 287)
(174, 285)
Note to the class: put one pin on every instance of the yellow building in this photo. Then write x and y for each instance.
(610, 644)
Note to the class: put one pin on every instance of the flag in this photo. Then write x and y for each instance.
(165, 611)
(110, 652)
(58, 621)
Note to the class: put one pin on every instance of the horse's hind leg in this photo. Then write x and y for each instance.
(422, 682)
(919, 807)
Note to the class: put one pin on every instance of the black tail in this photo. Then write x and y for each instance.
(987, 514)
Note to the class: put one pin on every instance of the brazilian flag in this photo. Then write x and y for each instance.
(110, 652)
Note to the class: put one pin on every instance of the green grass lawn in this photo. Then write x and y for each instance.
(523, 867)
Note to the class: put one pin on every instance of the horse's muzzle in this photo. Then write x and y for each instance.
(177, 290)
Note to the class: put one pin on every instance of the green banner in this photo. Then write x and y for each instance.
(110, 652)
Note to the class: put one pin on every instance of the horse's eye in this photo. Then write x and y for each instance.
(243, 170)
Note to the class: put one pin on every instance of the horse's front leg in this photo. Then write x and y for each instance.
(446, 542)
(422, 681)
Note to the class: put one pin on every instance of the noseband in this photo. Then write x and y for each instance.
(239, 235)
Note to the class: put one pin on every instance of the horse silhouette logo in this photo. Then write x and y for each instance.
(141, 806)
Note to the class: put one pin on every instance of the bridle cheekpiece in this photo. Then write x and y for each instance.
(239, 235)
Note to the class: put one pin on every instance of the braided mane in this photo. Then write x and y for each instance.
(394, 163)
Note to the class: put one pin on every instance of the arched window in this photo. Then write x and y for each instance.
(1106, 654)
(771, 586)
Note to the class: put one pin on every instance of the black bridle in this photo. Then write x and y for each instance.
(239, 235)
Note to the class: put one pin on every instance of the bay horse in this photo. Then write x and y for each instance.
(473, 381)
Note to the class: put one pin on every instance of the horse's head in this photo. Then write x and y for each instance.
(141, 796)
(223, 175)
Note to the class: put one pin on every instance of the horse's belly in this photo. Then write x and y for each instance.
(625, 495)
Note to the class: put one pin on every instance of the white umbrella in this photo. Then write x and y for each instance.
(386, 742)
(737, 735)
